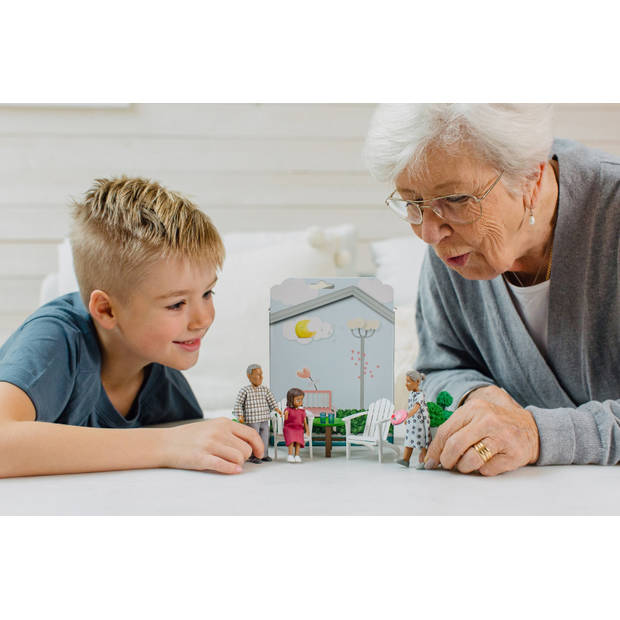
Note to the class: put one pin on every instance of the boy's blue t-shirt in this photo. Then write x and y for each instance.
(54, 357)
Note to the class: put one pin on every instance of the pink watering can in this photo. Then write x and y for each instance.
(399, 416)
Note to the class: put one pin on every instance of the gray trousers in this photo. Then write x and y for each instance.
(263, 431)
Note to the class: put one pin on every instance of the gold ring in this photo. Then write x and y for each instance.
(483, 451)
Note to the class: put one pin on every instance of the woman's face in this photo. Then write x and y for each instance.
(478, 251)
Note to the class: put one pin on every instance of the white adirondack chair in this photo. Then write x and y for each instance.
(375, 430)
(277, 422)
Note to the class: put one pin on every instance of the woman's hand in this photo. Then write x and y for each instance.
(489, 415)
(219, 444)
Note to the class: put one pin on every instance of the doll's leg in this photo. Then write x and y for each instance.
(290, 448)
(296, 449)
(407, 452)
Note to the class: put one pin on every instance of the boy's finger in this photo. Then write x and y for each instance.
(249, 435)
(229, 453)
(243, 447)
(215, 463)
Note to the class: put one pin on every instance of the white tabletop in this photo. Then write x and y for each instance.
(360, 486)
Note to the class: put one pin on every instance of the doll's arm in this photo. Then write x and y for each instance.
(413, 410)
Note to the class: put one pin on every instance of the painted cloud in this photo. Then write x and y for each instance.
(293, 291)
(381, 292)
(306, 329)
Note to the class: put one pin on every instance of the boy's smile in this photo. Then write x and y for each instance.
(189, 345)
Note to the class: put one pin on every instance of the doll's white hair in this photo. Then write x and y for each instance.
(513, 137)
(251, 368)
(416, 375)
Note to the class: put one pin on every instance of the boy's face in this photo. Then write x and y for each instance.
(169, 313)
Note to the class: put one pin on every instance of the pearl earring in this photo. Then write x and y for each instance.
(532, 220)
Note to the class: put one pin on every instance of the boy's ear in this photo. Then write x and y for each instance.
(100, 308)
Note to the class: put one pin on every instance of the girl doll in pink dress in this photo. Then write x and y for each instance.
(295, 423)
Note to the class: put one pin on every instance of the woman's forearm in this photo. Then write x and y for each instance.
(39, 448)
(588, 434)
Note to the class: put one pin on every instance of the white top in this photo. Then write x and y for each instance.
(532, 303)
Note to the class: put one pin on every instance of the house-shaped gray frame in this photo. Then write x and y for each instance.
(335, 376)
(330, 298)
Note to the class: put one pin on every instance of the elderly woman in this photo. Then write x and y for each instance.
(518, 310)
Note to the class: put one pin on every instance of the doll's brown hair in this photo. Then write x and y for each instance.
(291, 395)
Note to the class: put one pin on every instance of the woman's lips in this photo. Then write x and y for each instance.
(458, 261)
(189, 345)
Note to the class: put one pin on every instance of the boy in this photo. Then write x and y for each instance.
(109, 358)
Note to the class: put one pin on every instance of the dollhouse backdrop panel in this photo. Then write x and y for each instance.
(333, 338)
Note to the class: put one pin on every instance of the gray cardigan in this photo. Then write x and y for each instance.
(472, 335)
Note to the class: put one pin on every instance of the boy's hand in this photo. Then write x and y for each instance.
(220, 445)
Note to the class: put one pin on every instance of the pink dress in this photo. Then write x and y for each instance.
(294, 426)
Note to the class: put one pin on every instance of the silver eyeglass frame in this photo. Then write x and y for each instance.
(420, 204)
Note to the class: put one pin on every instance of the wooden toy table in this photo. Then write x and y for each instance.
(327, 427)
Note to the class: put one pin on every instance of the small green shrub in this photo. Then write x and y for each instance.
(444, 399)
(357, 424)
(437, 411)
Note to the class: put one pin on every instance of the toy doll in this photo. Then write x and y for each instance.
(295, 423)
(253, 406)
(417, 425)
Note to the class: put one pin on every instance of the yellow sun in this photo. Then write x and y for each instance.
(301, 329)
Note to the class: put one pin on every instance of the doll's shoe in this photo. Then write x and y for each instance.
(255, 460)
(403, 462)
(266, 459)
(290, 458)
(298, 459)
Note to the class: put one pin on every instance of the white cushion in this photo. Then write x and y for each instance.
(62, 281)
(239, 335)
(255, 262)
(405, 352)
(398, 262)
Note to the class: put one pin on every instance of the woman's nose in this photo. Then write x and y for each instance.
(432, 229)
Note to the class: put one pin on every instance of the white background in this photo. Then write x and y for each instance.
(249, 166)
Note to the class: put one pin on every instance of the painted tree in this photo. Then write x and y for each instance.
(362, 330)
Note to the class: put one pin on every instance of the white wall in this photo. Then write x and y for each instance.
(249, 166)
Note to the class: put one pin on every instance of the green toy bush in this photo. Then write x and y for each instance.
(357, 424)
(438, 411)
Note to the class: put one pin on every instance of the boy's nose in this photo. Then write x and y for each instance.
(202, 318)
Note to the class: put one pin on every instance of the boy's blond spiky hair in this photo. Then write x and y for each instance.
(124, 225)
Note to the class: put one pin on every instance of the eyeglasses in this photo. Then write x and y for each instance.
(455, 208)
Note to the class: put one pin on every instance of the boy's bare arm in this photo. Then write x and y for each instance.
(29, 448)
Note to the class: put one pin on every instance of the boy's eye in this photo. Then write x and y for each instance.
(179, 304)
